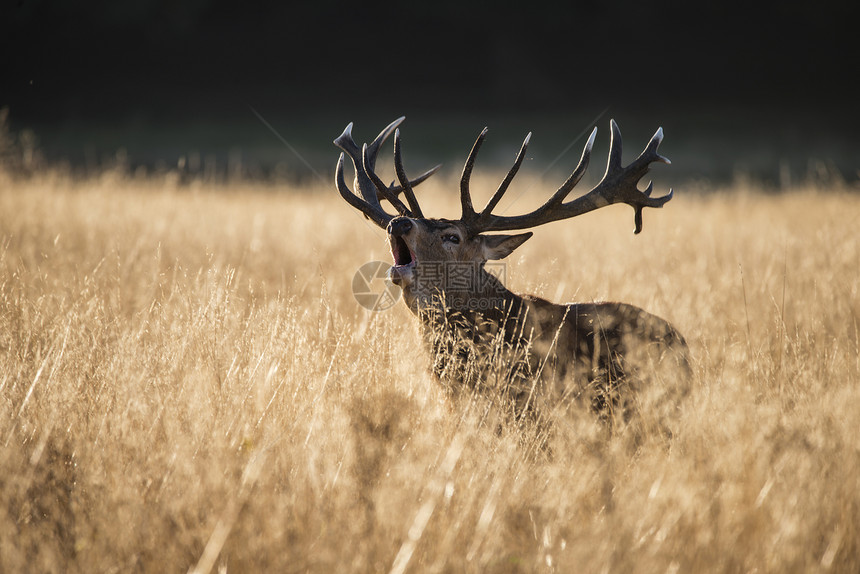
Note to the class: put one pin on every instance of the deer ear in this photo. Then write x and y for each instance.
(500, 246)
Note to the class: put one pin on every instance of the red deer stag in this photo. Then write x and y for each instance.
(533, 353)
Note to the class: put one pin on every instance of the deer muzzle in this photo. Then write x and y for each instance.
(404, 258)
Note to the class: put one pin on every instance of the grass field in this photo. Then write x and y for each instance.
(186, 382)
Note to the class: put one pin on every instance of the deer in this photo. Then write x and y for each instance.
(528, 353)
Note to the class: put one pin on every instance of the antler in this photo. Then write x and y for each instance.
(618, 185)
(369, 185)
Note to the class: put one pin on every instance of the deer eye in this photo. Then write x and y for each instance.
(451, 238)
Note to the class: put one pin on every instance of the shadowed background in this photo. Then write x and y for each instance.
(765, 91)
(187, 379)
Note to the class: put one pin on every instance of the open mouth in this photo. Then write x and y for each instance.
(403, 257)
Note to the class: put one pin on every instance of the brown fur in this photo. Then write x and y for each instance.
(531, 354)
(528, 352)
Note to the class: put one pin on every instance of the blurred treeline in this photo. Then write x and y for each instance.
(739, 87)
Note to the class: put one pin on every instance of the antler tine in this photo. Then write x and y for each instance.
(651, 148)
(503, 187)
(404, 181)
(373, 211)
(637, 215)
(469, 214)
(561, 194)
(557, 198)
(613, 161)
(373, 148)
(618, 185)
(641, 164)
(396, 189)
(381, 189)
(345, 142)
(365, 187)
(366, 199)
(619, 177)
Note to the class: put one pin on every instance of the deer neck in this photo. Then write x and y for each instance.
(484, 305)
(467, 332)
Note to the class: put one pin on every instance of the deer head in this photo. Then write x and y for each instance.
(426, 250)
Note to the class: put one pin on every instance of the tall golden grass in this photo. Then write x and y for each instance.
(186, 383)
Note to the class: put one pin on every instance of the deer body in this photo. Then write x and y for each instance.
(483, 336)
(530, 352)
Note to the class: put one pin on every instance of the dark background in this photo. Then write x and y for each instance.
(739, 87)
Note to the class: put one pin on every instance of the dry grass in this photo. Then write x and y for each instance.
(186, 380)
